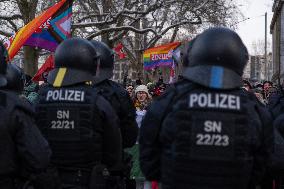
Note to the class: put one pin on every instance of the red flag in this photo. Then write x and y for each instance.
(119, 51)
(46, 67)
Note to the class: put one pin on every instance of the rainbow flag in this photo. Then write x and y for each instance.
(159, 56)
(26, 32)
(55, 30)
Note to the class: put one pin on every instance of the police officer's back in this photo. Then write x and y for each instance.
(24, 153)
(79, 124)
(276, 172)
(115, 94)
(205, 132)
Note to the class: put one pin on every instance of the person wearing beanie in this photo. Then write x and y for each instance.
(142, 97)
(141, 102)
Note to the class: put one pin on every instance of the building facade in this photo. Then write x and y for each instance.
(122, 70)
(256, 67)
(276, 29)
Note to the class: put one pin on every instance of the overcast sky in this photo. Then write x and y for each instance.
(253, 29)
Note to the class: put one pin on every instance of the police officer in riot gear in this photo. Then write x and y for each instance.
(205, 132)
(24, 153)
(79, 124)
(115, 94)
(121, 102)
(275, 176)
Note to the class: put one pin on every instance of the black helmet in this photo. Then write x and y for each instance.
(216, 59)
(106, 61)
(3, 64)
(15, 78)
(74, 63)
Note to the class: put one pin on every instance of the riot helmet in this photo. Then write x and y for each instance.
(106, 55)
(3, 64)
(216, 59)
(15, 78)
(74, 63)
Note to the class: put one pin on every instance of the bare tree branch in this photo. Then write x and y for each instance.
(12, 17)
(129, 28)
(159, 36)
(6, 34)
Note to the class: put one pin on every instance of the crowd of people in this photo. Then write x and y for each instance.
(262, 90)
(81, 130)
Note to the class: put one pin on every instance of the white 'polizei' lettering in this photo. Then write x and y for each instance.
(202, 100)
(71, 93)
(210, 104)
(209, 100)
(49, 94)
(192, 99)
(65, 95)
(223, 103)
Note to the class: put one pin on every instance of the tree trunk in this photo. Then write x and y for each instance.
(30, 61)
(106, 9)
(174, 35)
(28, 11)
(105, 39)
(140, 66)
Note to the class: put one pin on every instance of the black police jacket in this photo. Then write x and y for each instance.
(276, 107)
(24, 151)
(277, 157)
(276, 104)
(80, 126)
(124, 108)
(194, 137)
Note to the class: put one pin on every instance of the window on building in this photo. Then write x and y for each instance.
(117, 67)
(116, 76)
